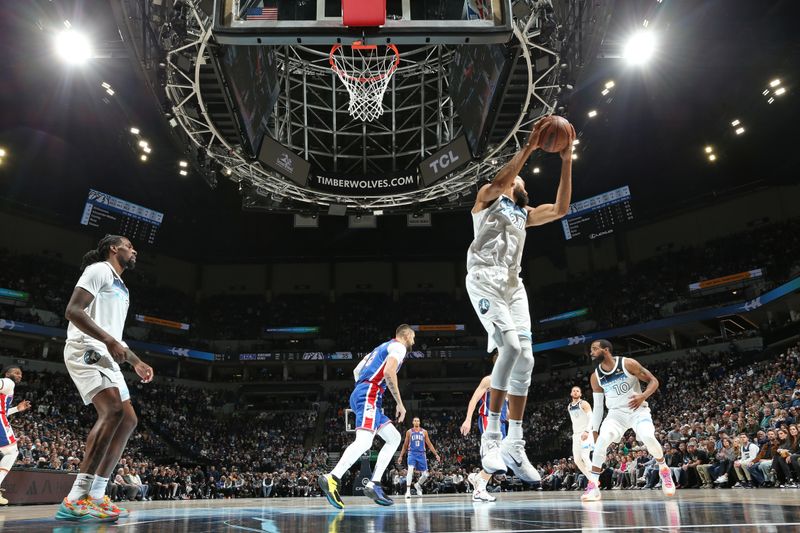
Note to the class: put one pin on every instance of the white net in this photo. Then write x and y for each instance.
(366, 72)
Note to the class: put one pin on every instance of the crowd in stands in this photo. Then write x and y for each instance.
(646, 290)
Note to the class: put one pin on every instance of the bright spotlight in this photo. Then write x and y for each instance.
(574, 155)
(576, 142)
(183, 173)
(135, 131)
(73, 47)
(604, 92)
(735, 122)
(143, 143)
(739, 130)
(183, 164)
(712, 157)
(640, 48)
(110, 92)
(709, 149)
(592, 113)
(2, 152)
(147, 149)
(775, 83)
(610, 84)
(143, 157)
(536, 170)
(780, 90)
(227, 171)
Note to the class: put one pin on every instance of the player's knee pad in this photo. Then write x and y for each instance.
(9, 457)
(507, 356)
(599, 454)
(390, 435)
(520, 379)
(363, 440)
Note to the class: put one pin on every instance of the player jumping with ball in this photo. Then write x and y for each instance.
(500, 217)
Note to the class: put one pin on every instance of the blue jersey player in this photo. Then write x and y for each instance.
(416, 441)
(376, 372)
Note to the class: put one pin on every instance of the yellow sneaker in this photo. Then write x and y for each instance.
(111, 508)
(330, 487)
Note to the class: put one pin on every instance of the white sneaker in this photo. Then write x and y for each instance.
(591, 494)
(482, 496)
(491, 458)
(419, 488)
(473, 481)
(722, 479)
(513, 454)
(408, 493)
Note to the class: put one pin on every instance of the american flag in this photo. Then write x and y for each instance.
(262, 13)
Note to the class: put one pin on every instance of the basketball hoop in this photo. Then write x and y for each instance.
(366, 73)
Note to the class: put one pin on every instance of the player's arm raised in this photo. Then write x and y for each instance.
(473, 403)
(599, 401)
(634, 368)
(545, 213)
(505, 178)
(430, 445)
(390, 375)
(405, 447)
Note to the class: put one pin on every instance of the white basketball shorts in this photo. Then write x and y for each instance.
(92, 377)
(500, 300)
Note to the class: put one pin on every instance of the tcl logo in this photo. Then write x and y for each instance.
(444, 161)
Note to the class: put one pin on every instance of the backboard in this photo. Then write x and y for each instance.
(320, 22)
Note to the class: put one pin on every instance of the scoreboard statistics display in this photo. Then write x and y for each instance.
(598, 215)
(115, 215)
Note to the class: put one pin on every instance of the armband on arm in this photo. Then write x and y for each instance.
(597, 410)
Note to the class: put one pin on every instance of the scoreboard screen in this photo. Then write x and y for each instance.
(597, 216)
(115, 215)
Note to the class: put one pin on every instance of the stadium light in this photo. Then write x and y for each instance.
(143, 157)
(183, 164)
(536, 170)
(147, 149)
(780, 90)
(640, 48)
(735, 123)
(609, 84)
(110, 92)
(143, 143)
(227, 171)
(73, 47)
(775, 83)
(576, 142)
(2, 152)
(574, 155)
(709, 149)
(592, 113)
(739, 130)
(183, 173)
(712, 157)
(135, 131)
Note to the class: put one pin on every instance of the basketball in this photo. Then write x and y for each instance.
(555, 135)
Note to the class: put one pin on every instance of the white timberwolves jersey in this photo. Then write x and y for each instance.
(499, 236)
(580, 418)
(618, 385)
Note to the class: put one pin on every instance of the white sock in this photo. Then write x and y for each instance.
(423, 478)
(98, 489)
(594, 477)
(515, 429)
(3, 473)
(370, 484)
(81, 487)
(493, 426)
(409, 477)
